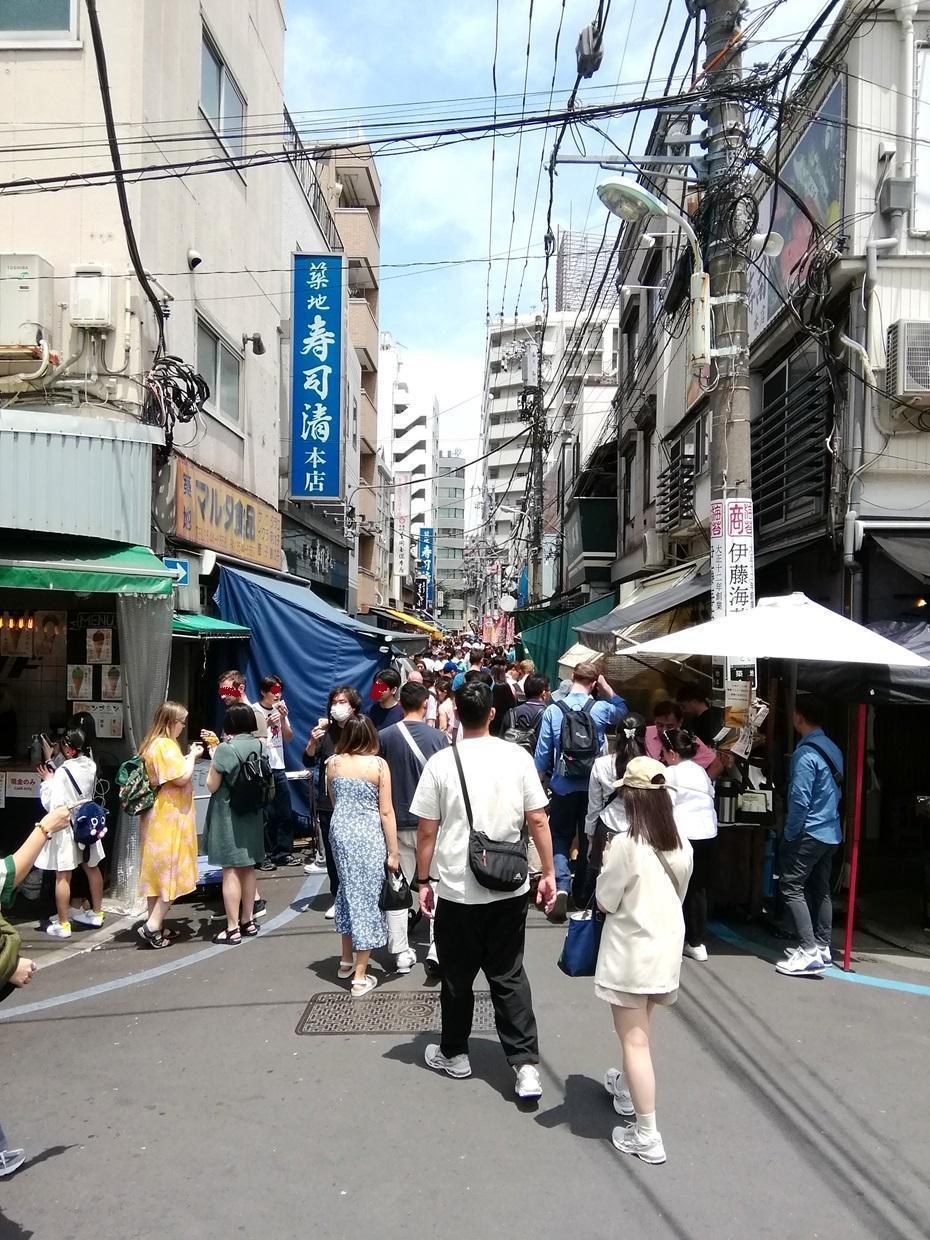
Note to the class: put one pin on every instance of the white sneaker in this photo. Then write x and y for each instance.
(58, 929)
(695, 953)
(458, 1066)
(623, 1103)
(315, 867)
(826, 956)
(802, 964)
(86, 916)
(405, 961)
(645, 1145)
(330, 913)
(10, 1160)
(528, 1085)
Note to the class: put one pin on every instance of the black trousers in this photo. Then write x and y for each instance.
(487, 938)
(695, 903)
(324, 818)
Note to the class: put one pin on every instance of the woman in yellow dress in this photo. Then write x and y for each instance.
(169, 828)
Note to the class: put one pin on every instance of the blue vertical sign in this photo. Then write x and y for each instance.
(427, 567)
(316, 377)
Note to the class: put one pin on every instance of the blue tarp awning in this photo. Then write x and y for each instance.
(298, 636)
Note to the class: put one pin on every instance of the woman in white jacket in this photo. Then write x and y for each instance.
(696, 819)
(69, 784)
(640, 889)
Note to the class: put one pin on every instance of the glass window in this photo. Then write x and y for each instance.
(211, 82)
(219, 365)
(43, 18)
(220, 98)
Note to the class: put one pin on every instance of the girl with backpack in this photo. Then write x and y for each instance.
(169, 829)
(640, 889)
(235, 828)
(67, 785)
(606, 813)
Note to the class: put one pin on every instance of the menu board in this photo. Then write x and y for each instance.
(108, 719)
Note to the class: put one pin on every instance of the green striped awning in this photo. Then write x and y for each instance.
(82, 566)
(190, 625)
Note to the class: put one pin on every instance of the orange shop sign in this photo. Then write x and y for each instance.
(213, 513)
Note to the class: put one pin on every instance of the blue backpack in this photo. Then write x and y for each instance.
(88, 820)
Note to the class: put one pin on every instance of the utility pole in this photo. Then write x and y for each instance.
(533, 410)
(732, 530)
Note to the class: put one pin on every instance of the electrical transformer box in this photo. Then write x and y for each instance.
(27, 299)
(92, 296)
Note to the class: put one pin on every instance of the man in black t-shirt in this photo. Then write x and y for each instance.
(406, 747)
(386, 709)
(701, 719)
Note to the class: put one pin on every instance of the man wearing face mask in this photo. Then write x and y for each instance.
(279, 815)
(343, 702)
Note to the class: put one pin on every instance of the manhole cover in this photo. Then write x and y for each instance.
(387, 1012)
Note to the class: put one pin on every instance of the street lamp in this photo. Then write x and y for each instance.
(634, 203)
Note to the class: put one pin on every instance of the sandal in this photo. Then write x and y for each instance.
(232, 937)
(249, 928)
(346, 968)
(364, 987)
(152, 938)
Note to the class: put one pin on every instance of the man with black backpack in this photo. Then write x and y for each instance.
(571, 736)
(523, 722)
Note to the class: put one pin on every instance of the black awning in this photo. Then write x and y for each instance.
(910, 552)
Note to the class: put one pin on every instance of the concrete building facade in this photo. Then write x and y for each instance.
(449, 522)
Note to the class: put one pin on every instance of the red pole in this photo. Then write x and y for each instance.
(859, 778)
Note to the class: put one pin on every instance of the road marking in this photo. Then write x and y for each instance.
(310, 889)
(832, 975)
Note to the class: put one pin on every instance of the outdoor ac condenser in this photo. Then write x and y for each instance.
(655, 549)
(907, 376)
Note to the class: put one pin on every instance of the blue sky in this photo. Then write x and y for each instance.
(435, 205)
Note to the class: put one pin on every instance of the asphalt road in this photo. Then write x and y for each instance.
(185, 1105)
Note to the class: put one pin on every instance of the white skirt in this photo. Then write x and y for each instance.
(61, 853)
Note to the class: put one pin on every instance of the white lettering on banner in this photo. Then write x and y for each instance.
(316, 422)
(318, 340)
(317, 380)
(317, 277)
(318, 301)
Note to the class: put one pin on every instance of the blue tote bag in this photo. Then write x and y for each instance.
(582, 942)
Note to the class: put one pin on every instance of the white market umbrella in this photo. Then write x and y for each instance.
(790, 626)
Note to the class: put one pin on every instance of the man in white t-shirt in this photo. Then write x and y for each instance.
(478, 929)
(279, 815)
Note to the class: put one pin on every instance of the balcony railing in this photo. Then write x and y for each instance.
(299, 159)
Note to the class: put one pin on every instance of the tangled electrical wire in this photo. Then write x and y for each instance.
(174, 393)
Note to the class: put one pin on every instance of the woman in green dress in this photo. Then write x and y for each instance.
(235, 839)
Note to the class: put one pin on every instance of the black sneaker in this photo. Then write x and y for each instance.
(431, 967)
(289, 859)
(266, 865)
(259, 908)
(559, 912)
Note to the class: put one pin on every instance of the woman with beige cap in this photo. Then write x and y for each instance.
(640, 889)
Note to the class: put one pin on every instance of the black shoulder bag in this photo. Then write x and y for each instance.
(496, 865)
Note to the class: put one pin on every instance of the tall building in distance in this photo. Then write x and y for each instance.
(581, 266)
(449, 523)
(408, 430)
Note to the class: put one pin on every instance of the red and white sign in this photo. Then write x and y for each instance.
(733, 570)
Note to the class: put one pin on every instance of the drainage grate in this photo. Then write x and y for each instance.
(388, 1012)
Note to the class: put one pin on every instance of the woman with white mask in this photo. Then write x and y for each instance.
(342, 704)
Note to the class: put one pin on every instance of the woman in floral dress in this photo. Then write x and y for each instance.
(169, 828)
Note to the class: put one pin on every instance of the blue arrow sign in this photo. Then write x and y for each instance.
(180, 566)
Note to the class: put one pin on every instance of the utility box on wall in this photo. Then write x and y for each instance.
(27, 299)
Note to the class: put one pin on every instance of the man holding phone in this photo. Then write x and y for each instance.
(279, 817)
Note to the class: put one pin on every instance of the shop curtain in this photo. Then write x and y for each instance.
(546, 642)
(145, 649)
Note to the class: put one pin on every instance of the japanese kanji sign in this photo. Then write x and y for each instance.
(316, 377)
(733, 569)
(426, 565)
(210, 512)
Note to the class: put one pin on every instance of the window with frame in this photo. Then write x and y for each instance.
(221, 100)
(649, 447)
(220, 366)
(38, 20)
(628, 487)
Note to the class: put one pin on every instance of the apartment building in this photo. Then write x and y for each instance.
(449, 525)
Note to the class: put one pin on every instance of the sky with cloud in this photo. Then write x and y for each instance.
(436, 205)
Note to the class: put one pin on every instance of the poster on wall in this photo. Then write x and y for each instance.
(50, 633)
(99, 645)
(108, 719)
(80, 682)
(16, 641)
(111, 683)
(2, 789)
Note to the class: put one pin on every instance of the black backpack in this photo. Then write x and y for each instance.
(578, 741)
(524, 726)
(252, 786)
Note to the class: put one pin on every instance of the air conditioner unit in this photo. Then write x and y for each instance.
(655, 549)
(907, 377)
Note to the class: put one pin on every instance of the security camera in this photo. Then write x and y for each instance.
(194, 259)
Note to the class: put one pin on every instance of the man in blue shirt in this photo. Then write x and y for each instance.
(475, 664)
(568, 803)
(812, 835)
(386, 710)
